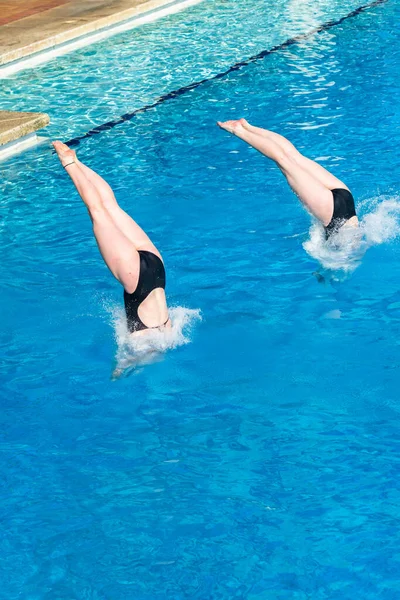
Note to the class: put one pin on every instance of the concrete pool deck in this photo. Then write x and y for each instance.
(31, 26)
(18, 131)
(33, 31)
(14, 125)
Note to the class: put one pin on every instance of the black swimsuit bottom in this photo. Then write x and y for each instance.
(151, 276)
(343, 210)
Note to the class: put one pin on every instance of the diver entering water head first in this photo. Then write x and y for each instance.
(325, 197)
(127, 251)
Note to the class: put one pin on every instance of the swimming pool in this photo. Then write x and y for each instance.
(260, 459)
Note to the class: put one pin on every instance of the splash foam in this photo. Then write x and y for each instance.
(137, 351)
(343, 252)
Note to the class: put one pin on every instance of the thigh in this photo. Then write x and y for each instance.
(317, 198)
(316, 170)
(118, 252)
(313, 168)
(322, 174)
(132, 230)
(121, 219)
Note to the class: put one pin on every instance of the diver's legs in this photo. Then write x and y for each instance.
(118, 252)
(314, 168)
(316, 196)
(121, 219)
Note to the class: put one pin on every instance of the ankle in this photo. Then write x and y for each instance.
(68, 164)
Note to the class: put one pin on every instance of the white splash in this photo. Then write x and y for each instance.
(382, 223)
(343, 252)
(137, 351)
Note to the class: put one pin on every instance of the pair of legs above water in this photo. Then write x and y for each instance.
(326, 197)
(126, 249)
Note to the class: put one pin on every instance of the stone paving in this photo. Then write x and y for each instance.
(30, 26)
(15, 125)
(19, 9)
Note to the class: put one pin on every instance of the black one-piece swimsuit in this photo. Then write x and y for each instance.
(343, 210)
(151, 276)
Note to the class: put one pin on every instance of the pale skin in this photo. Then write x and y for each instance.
(308, 179)
(117, 235)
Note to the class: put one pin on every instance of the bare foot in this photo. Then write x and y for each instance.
(259, 130)
(65, 154)
(235, 127)
(247, 126)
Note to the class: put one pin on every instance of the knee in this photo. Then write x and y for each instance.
(98, 214)
(286, 158)
(289, 158)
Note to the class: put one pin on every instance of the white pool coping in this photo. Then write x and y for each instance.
(140, 16)
(18, 146)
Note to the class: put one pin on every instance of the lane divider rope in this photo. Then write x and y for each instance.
(236, 67)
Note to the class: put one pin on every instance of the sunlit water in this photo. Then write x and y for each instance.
(132, 69)
(255, 452)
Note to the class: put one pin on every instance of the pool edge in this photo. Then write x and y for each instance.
(78, 37)
(18, 131)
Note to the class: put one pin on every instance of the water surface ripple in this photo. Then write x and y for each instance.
(260, 460)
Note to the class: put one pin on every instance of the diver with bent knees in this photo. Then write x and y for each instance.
(127, 251)
(327, 198)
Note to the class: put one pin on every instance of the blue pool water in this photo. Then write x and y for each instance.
(258, 460)
(130, 70)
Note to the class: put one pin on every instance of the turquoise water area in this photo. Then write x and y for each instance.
(130, 70)
(256, 457)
